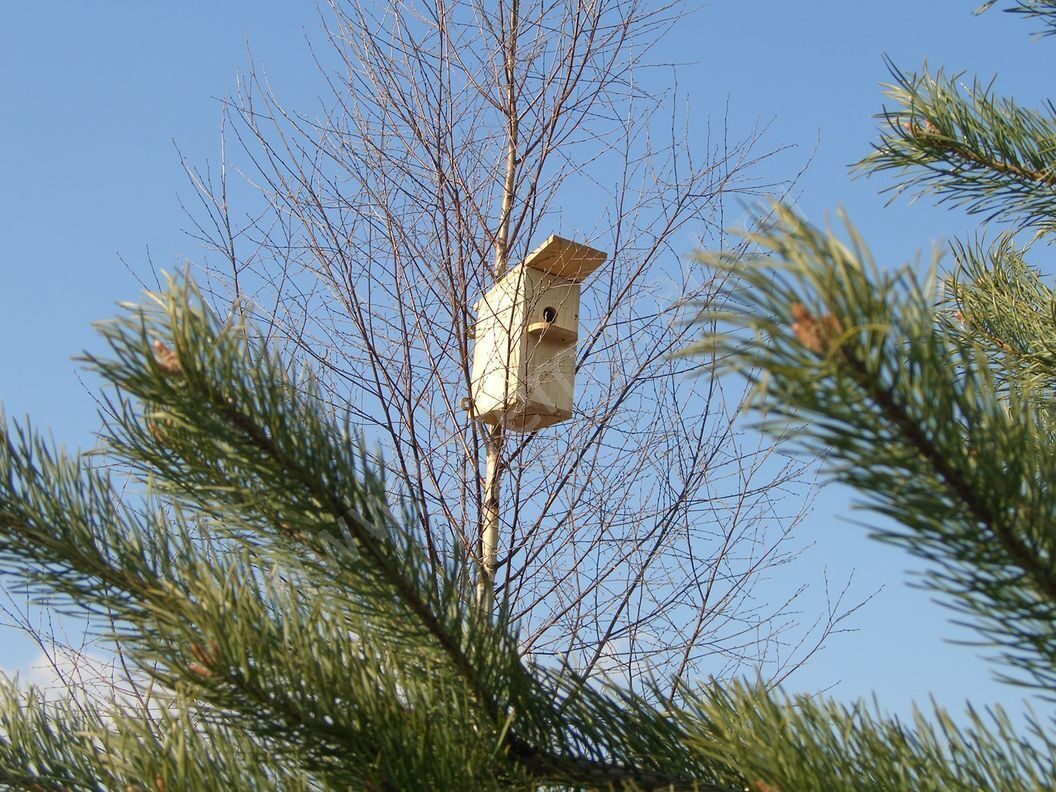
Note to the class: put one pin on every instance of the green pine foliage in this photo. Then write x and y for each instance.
(969, 147)
(931, 395)
(285, 606)
(913, 416)
(301, 640)
(1043, 10)
(808, 744)
(239, 546)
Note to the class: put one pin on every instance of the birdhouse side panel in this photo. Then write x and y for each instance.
(552, 324)
(498, 351)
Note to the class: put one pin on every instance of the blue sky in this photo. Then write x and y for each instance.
(97, 97)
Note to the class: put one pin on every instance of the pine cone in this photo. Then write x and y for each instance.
(815, 335)
(166, 359)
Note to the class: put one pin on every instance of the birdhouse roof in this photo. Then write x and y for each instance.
(564, 258)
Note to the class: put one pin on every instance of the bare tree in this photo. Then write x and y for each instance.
(455, 135)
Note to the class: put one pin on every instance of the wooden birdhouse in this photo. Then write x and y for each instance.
(524, 357)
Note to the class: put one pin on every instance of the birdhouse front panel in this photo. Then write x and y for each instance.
(553, 308)
(550, 382)
(551, 331)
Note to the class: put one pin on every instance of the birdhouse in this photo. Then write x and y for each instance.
(524, 357)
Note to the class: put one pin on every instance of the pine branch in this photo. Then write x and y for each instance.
(1045, 10)
(543, 767)
(810, 744)
(351, 686)
(997, 300)
(962, 487)
(46, 747)
(364, 531)
(62, 746)
(347, 657)
(969, 148)
(911, 416)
